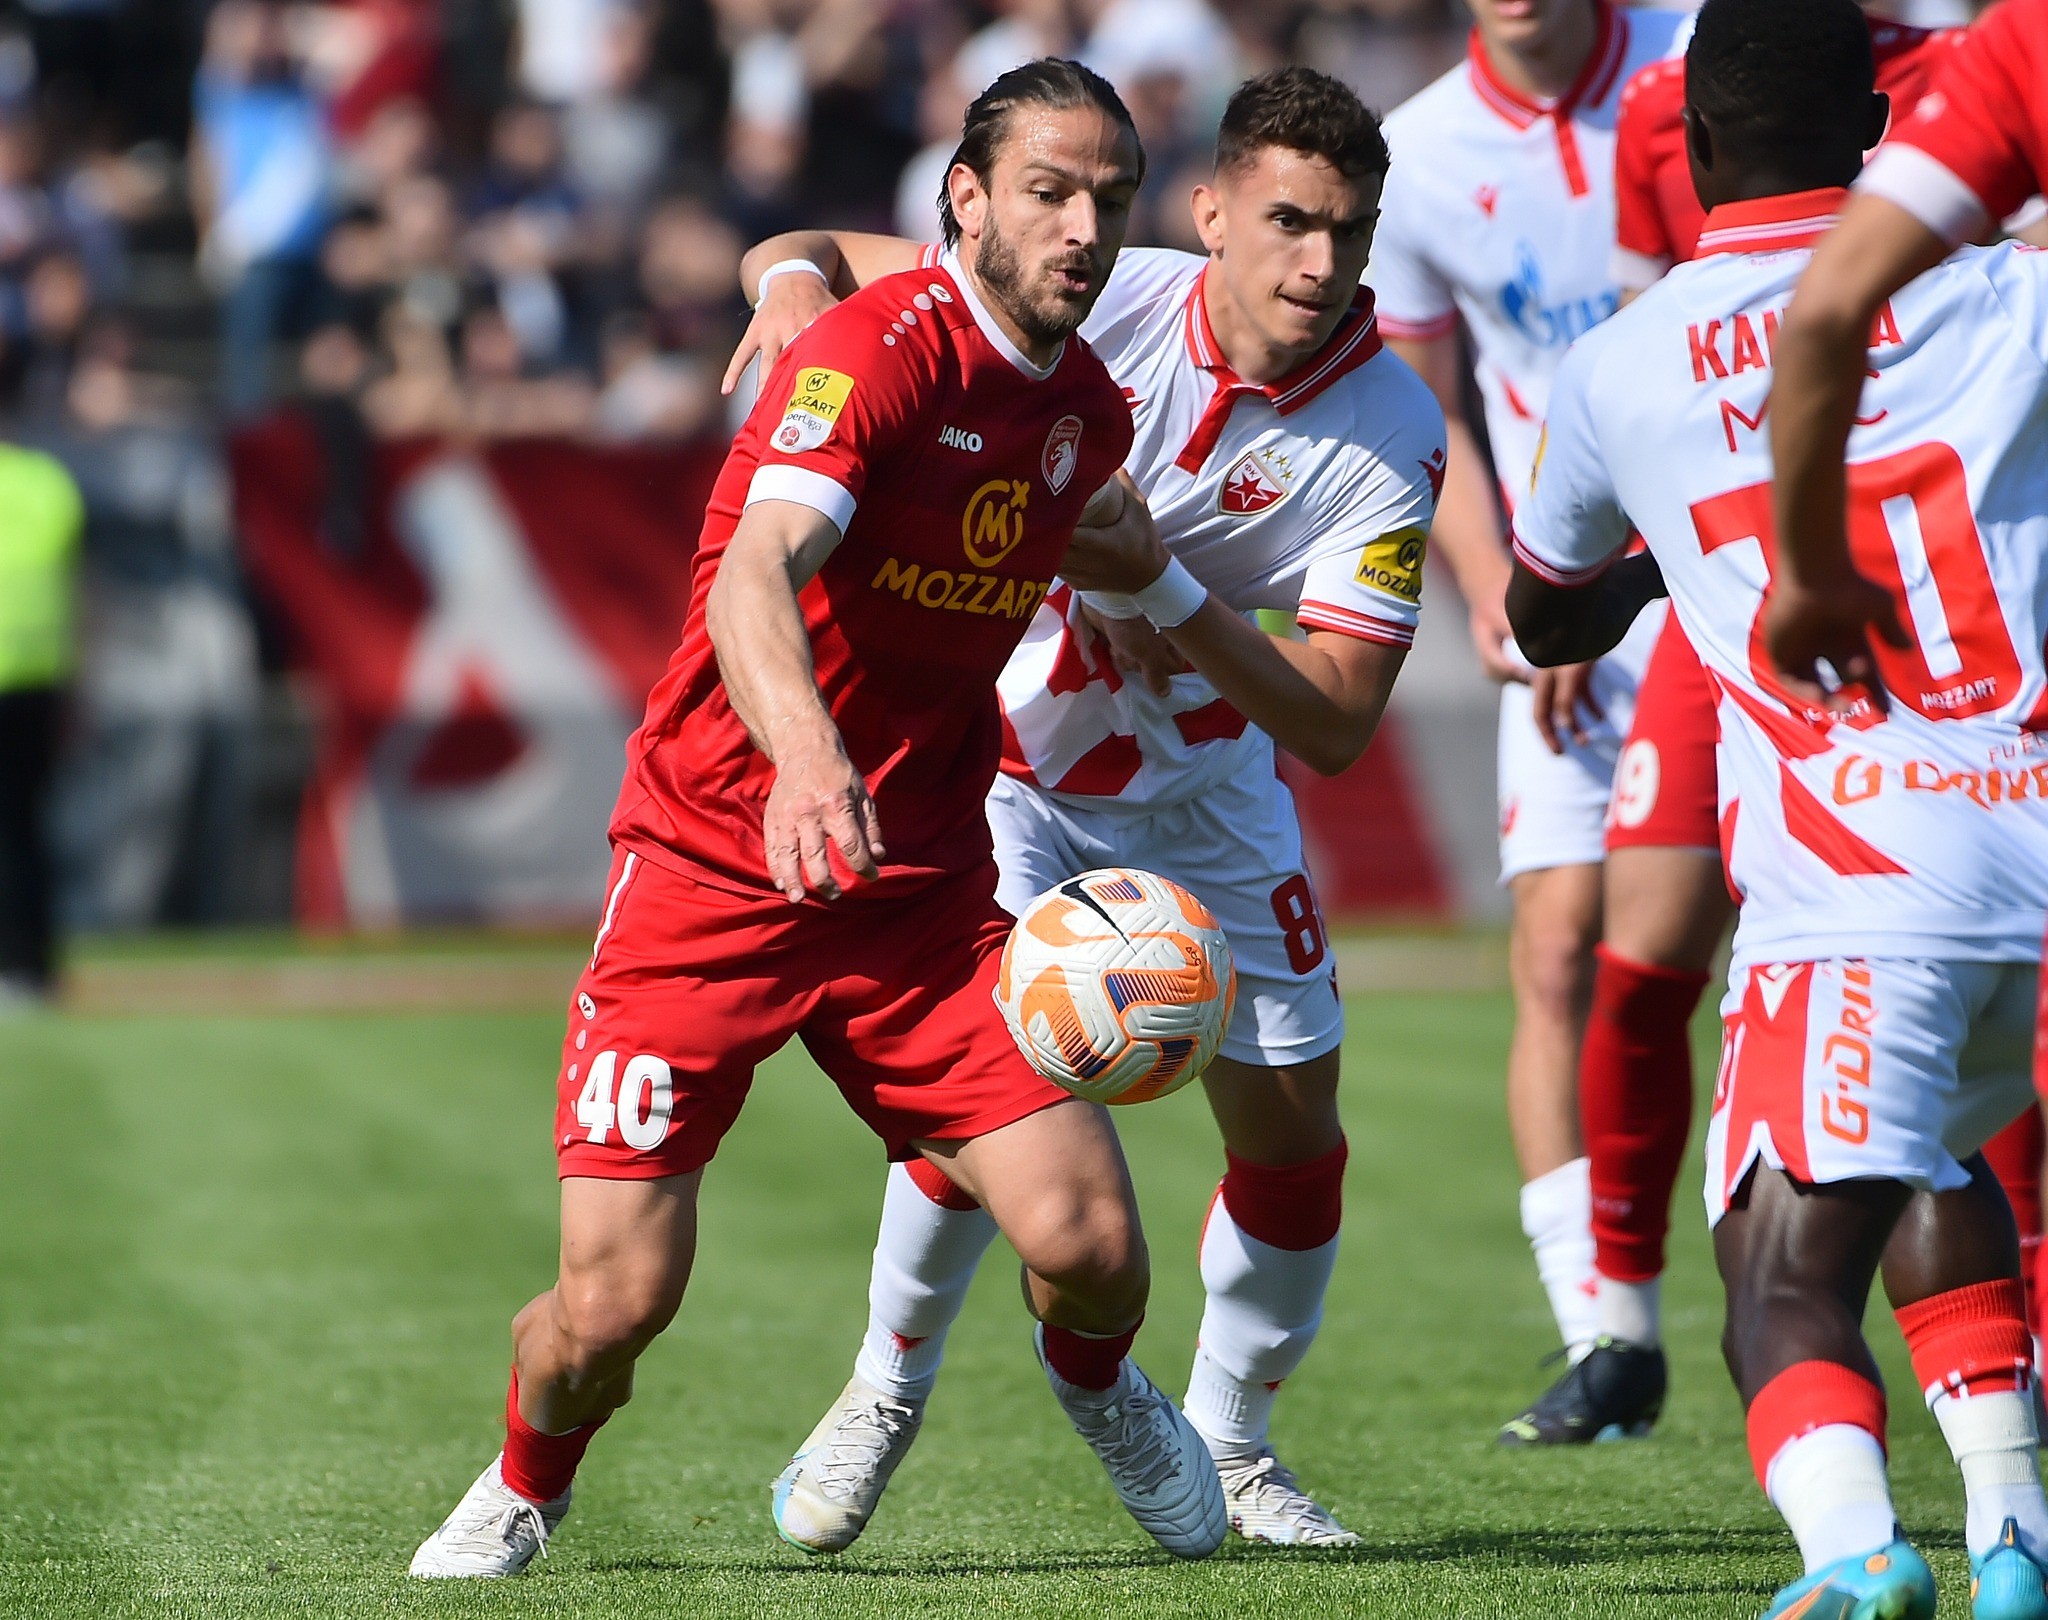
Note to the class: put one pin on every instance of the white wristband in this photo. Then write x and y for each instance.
(1173, 598)
(784, 267)
(1112, 604)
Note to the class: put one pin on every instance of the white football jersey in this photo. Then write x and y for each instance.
(1500, 209)
(1922, 831)
(1312, 495)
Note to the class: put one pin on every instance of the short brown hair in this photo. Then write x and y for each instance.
(1304, 111)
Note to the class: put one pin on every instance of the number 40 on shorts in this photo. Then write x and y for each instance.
(637, 1104)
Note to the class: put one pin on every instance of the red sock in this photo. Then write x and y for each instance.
(540, 1466)
(939, 1187)
(1286, 1206)
(1084, 1360)
(1635, 1106)
(1810, 1395)
(2014, 1155)
(1970, 1341)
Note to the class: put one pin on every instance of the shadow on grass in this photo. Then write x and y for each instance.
(1527, 1548)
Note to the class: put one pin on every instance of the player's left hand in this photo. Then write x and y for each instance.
(1124, 554)
(1138, 651)
(1563, 695)
(1804, 625)
(793, 302)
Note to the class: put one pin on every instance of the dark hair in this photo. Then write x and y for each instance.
(1304, 111)
(1051, 81)
(1773, 77)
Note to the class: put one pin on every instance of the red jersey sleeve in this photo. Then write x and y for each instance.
(1982, 127)
(1646, 250)
(851, 389)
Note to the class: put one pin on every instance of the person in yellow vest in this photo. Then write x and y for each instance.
(41, 520)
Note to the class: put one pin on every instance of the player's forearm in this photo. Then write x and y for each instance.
(1322, 710)
(1466, 533)
(817, 247)
(757, 630)
(1819, 364)
(1557, 624)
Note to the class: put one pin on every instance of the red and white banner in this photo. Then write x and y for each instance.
(479, 627)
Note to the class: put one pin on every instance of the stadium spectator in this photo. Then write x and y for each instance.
(40, 518)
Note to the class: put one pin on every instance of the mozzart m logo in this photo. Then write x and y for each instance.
(993, 525)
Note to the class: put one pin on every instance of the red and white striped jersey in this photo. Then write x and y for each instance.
(1312, 495)
(1500, 209)
(1921, 831)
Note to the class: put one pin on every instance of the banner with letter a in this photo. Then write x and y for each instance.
(479, 626)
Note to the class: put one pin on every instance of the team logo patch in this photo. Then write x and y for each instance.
(1062, 453)
(1249, 488)
(814, 407)
(1393, 562)
(993, 525)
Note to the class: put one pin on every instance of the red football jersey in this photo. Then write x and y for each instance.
(955, 471)
(1657, 213)
(1976, 148)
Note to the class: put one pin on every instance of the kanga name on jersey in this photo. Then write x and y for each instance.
(1500, 209)
(1918, 832)
(1312, 495)
(954, 469)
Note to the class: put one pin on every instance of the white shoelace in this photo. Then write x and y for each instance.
(860, 1443)
(1136, 1448)
(1273, 1489)
(496, 1528)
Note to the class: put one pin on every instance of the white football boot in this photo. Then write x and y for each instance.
(1266, 1503)
(1159, 1465)
(493, 1531)
(827, 1494)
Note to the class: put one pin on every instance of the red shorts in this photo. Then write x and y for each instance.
(690, 986)
(1665, 794)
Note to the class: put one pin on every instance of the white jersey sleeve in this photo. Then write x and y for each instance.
(1364, 577)
(1572, 525)
(2019, 281)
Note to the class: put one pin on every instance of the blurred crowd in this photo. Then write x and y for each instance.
(466, 218)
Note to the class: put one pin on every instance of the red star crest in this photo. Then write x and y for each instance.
(1247, 488)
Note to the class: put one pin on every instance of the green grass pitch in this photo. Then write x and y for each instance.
(257, 1272)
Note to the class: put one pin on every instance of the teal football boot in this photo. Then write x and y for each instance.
(1893, 1583)
(2008, 1583)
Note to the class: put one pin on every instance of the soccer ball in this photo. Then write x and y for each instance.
(1117, 985)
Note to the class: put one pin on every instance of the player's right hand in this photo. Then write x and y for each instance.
(819, 804)
(793, 302)
(1138, 650)
(1804, 625)
(1491, 634)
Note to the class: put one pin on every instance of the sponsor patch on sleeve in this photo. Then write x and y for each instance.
(1393, 562)
(814, 406)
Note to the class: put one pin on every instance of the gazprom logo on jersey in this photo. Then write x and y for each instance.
(1554, 326)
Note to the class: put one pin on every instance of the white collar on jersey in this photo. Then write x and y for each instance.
(1596, 77)
(949, 261)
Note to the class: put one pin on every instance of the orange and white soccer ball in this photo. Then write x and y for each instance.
(1117, 985)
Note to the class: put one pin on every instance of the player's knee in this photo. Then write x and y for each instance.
(1091, 1248)
(609, 1317)
(1553, 972)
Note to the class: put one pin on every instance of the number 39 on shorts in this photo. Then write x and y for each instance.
(637, 1104)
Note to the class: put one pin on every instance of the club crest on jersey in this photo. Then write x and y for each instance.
(1249, 487)
(1062, 453)
(993, 525)
(814, 407)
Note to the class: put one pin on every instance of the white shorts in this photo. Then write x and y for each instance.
(1553, 807)
(1852, 1068)
(1237, 848)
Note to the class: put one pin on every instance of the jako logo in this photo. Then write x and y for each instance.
(952, 438)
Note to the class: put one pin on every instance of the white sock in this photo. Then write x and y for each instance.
(1632, 1312)
(1557, 1217)
(925, 1257)
(1991, 1436)
(1831, 1487)
(1264, 1307)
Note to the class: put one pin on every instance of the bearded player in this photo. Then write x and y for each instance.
(1499, 215)
(1892, 858)
(1664, 904)
(1288, 462)
(800, 844)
